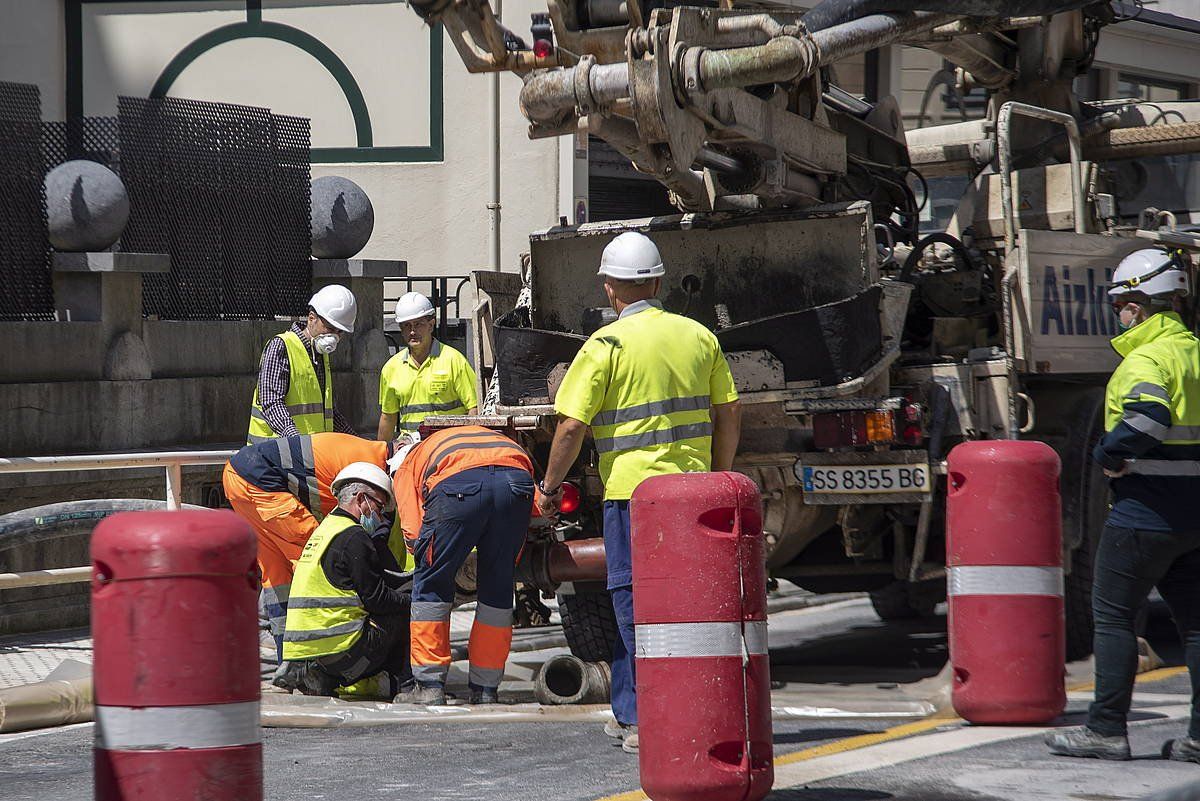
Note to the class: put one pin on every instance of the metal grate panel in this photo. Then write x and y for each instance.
(223, 189)
(24, 249)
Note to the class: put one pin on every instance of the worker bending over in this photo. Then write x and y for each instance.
(462, 488)
(1151, 451)
(283, 489)
(659, 397)
(426, 377)
(348, 618)
(294, 393)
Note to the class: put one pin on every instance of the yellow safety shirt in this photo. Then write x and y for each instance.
(310, 409)
(321, 619)
(646, 384)
(442, 384)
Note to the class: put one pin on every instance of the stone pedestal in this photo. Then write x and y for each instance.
(106, 287)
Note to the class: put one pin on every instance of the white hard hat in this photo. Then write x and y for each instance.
(404, 447)
(631, 257)
(412, 306)
(1151, 271)
(335, 304)
(367, 473)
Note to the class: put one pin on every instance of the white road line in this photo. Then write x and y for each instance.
(886, 755)
(5, 739)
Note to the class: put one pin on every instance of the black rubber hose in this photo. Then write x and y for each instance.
(835, 12)
(27, 525)
(960, 251)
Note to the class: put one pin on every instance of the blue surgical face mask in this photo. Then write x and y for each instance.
(369, 521)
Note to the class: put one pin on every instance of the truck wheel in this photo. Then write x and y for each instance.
(896, 602)
(589, 624)
(1085, 506)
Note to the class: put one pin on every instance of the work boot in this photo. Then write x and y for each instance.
(529, 612)
(314, 680)
(1185, 749)
(485, 695)
(617, 730)
(421, 695)
(630, 744)
(287, 676)
(1081, 741)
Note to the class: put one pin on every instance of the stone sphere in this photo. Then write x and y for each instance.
(86, 206)
(342, 217)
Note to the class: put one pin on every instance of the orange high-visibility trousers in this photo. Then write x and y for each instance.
(283, 526)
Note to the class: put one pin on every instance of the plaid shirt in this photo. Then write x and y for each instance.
(274, 376)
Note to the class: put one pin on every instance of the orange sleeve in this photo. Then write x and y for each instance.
(409, 508)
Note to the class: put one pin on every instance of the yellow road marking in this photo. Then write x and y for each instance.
(935, 721)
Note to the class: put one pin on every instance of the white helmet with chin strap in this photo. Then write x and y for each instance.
(1153, 272)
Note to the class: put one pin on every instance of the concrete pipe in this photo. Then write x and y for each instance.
(566, 679)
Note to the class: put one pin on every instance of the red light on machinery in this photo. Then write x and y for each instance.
(854, 428)
(571, 498)
(543, 35)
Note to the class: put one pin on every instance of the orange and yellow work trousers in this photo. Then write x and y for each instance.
(486, 508)
(282, 525)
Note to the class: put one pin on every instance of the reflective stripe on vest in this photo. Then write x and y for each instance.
(322, 619)
(463, 441)
(301, 469)
(411, 415)
(1164, 467)
(310, 408)
(611, 441)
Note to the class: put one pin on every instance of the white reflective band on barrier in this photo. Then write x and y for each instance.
(1005, 580)
(163, 728)
(667, 640)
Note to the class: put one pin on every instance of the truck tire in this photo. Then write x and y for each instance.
(590, 625)
(1085, 506)
(896, 602)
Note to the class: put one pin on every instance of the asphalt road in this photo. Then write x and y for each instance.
(834, 658)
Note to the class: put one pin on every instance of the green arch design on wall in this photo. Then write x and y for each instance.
(257, 29)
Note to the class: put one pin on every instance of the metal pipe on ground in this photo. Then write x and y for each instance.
(566, 679)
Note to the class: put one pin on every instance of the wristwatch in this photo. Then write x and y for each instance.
(544, 491)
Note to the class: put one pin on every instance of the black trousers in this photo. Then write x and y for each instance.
(1130, 563)
(383, 646)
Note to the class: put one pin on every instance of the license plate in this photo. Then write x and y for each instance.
(865, 479)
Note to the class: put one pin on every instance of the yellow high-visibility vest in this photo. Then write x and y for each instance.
(310, 409)
(321, 619)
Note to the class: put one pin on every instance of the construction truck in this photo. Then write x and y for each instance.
(881, 294)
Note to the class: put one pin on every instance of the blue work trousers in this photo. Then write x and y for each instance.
(618, 553)
(485, 508)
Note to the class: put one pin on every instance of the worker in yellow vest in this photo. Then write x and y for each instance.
(657, 392)
(294, 394)
(426, 377)
(347, 619)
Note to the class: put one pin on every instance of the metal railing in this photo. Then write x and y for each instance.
(172, 463)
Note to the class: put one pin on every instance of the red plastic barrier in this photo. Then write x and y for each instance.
(176, 674)
(1005, 582)
(700, 612)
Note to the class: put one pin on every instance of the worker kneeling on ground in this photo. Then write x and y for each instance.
(348, 618)
(462, 488)
(283, 488)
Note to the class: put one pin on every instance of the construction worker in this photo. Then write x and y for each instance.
(1151, 451)
(294, 394)
(348, 616)
(659, 397)
(427, 377)
(283, 488)
(462, 488)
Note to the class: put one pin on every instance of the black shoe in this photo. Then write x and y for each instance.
(485, 695)
(529, 612)
(1083, 742)
(421, 695)
(1185, 749)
